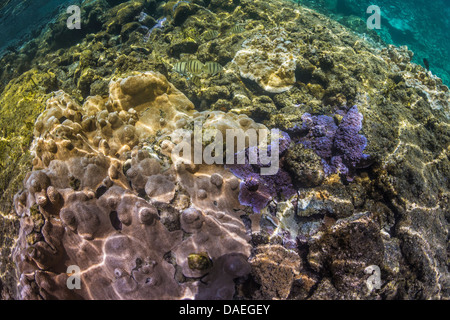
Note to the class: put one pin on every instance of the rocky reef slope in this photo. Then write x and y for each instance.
(418, 24)
(89, 118)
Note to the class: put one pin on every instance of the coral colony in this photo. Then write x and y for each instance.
(256, 190)
(247, 150)
(231, 148)
(340, 146)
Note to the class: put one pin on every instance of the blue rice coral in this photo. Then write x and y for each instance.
(340, 146)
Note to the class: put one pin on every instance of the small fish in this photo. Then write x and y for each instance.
(194, 66)
(210, 35)
(159, 25)
(212, 68)
(237, 29)
(197, 81)
(181, 67)
(426, 63)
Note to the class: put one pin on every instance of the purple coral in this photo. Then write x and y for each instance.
(257, 190)
(348, 143)
(341, 147)
(255, 193)
(159, 25)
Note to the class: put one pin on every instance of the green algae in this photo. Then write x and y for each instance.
(22, 100)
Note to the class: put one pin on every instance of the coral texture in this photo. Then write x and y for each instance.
(257, 189)
(106, 192)
(104, 201)
(340, 146)
(269, 60)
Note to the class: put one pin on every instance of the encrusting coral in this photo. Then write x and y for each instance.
(340, 146)
(256, 189)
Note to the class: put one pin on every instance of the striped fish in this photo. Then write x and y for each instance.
(194, 66)
(237, 29)
(181, 67)
(197, 81)
(210, 35)
(212, 68)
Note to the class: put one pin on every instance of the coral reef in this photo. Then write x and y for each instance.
(256, 188)
(401, 25)
(103, 190)
(87, 205)
(305, 166)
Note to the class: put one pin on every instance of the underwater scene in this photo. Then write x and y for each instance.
(224, 150)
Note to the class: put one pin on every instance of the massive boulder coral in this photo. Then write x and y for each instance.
(101, 198)
(136, 109)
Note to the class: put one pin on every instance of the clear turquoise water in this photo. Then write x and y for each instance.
(422, 25)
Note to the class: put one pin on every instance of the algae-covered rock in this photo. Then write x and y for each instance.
(186, 46)
(21, 103)
(275, 269)
(305, 166)
(199, 261)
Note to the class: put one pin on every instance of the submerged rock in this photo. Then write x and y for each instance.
(305, 166)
